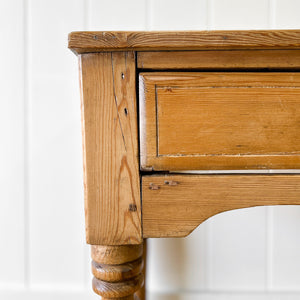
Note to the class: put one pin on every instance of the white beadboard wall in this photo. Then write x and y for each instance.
(245, 254)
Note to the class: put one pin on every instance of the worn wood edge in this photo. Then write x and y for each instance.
(221, 60)
(118, 289)
(243, 162)
(141, 293)
(114, 273)
(116, 255)
(233, 79)
(97, 41)
(175, 205)
(143, 126)
(83, 137)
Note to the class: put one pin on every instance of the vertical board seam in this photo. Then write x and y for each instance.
(269, 249)
(149, 14)
(26, 142)
(272, 14)
(209, 14)
(86, 14)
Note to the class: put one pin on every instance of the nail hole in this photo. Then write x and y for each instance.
(132, 207)
(153, 186)
(95, 37)
(125, 111)
(171, 182)
(122, 75)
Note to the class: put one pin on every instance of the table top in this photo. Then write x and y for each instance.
(97, 41)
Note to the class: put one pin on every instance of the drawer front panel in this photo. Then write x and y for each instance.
(220, 121)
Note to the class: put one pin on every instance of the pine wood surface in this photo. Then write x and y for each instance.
(111, 170)
(114, 273)
(117, 290)
(97, 41)
(225, 59)
(118, 271)
(194, 121)
(141, 293)
(174, 205)
(116, 255)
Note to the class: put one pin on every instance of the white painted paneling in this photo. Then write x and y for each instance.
(287, 14)
(178, 263)
(238, 250)
(12, 143)
(48, 294)
(286, 248)
(56, 238)
(73, 294)
(195, 261)
(224, 296)
(237, 14)
(165, 264)
(117, 15)
(177, 15)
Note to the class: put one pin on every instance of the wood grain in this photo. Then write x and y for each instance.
(116, 255)
(174, 210)
(115, 273)
(225, 59)
(97, 41)
(110, 146)
(141, 293)
(194, 121)
(118, 271)
(118, 290)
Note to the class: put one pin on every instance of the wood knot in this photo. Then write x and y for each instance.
(171, 182)
(154, 186)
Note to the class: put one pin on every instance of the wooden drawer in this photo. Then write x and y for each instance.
(194, 121)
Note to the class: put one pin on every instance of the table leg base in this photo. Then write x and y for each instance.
(118, 271)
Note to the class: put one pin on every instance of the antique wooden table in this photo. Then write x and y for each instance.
(157, 103)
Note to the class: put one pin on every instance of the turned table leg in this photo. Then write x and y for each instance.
(118, 271)
(141, 293)
(111, 173)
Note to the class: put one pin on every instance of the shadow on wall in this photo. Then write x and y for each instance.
(165, 297)
(170, 255)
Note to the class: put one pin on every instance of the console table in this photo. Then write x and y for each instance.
(155, 104)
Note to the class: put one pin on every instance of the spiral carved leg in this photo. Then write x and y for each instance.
(117, 271)
(141, 293)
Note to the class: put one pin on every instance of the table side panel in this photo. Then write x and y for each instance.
(174, 205)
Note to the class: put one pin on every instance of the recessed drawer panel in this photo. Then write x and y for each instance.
(194, 121)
